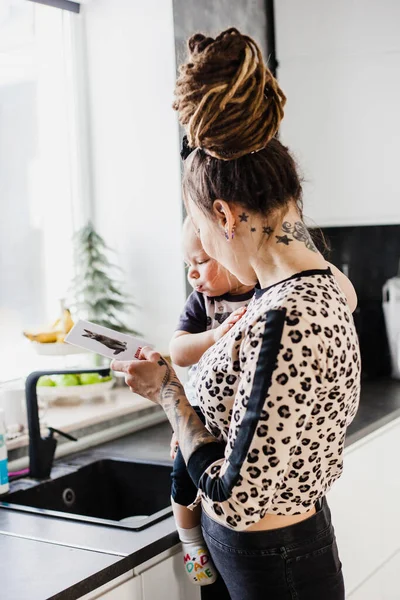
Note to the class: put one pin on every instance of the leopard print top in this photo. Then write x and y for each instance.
(278, 392)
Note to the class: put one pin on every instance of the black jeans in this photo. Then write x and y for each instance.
(299, 562)
(183, 490)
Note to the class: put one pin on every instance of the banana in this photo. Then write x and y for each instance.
(56, 325)
(44, 337)
(67, 321)
(56, 332)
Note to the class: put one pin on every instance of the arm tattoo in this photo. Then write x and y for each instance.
(300, 233)
(187, 426)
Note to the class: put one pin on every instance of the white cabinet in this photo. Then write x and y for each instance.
(164, 577)
(126, 587)
(160, 578)
(168, 576)
(338, 65)
(365, 507)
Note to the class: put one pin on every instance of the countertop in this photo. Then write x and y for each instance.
(32, 569)
(38, 551)
(51, 546)
(379, 404)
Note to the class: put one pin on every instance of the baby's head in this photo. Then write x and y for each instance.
(205, 274)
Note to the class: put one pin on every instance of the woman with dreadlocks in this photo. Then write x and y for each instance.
(280, 388)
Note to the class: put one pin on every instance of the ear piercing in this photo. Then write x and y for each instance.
(227, 232)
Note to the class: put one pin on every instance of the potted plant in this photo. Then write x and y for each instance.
(96, 289)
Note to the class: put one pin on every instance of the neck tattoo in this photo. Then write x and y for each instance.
(299, 232)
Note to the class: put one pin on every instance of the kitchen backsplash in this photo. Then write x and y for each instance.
(369, 255)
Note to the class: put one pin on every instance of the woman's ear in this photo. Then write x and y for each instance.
(224, 216)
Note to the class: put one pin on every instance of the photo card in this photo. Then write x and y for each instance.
(105, 341)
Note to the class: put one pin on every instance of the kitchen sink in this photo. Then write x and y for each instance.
(116, 493)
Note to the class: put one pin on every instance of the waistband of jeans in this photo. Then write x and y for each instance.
(284, 536)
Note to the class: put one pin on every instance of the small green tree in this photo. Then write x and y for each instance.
(97, 294)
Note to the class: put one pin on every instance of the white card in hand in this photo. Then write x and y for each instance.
(105, 341)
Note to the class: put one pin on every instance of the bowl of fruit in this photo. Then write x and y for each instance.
(73, 387)
(50, 340)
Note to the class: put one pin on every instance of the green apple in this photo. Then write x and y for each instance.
(66, 380)
(107, 378)
(89, 378)
(45, 381)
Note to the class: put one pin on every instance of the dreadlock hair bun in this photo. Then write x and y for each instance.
(226, 97)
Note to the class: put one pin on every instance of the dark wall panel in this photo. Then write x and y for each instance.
(372, 255)
(213, 16)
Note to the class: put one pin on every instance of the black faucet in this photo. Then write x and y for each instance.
(42, 450)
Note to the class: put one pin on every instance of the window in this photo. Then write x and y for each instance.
(42, 188)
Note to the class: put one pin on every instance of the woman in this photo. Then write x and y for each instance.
(280, 388)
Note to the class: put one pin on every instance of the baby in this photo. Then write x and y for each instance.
(216, 304)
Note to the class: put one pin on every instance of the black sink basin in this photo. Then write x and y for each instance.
(110, 492)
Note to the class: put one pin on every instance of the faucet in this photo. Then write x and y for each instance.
(42, 450)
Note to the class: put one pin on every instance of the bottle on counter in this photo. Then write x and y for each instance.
(4, 485)
(391, 311)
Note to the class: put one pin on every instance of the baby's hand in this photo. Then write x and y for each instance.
(229, 323)
(174, 446)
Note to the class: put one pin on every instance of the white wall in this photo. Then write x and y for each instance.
(339, 64)
(135, 149)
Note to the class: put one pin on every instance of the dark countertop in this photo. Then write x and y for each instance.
(101, 553)
(379, 404)
(49, 546)
(64, 560)
(31, 569)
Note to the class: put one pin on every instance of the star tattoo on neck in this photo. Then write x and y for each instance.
(243, 217)
(253, 229)
(283, 239)
(267, 230)
(300, 233)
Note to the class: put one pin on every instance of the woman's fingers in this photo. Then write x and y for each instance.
(148, 353)
(120, 365)
(145, 375)
(127, 366)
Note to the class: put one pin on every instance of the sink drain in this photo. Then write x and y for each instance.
(68, 496)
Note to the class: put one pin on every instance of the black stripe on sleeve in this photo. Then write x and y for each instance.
(202, 458)
(219, 489)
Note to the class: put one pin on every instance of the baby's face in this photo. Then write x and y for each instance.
(205, 274)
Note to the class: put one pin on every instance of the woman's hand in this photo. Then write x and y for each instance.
(150, 376)
(153, 378)
(229, 323)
